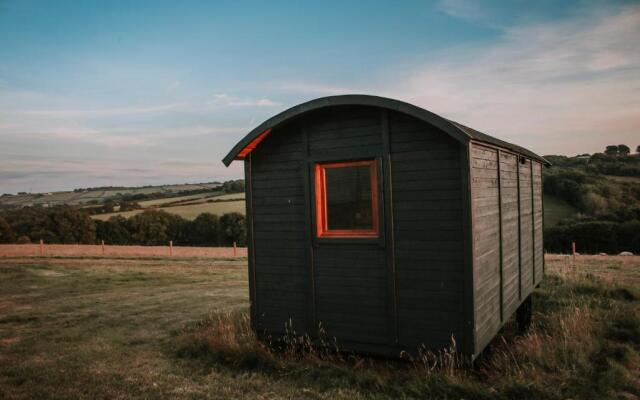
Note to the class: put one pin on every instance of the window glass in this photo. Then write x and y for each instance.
(349, 197)
(346, 199)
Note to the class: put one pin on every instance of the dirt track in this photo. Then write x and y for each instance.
(73, 250)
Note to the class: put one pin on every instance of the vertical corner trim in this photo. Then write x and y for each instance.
(501, 238)
(469, 309)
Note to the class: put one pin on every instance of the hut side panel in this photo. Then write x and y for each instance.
(526, 228)
(279, 228)
(427, 222)
(538, 223)
(350, 278)
(485, 202)
(509, 219)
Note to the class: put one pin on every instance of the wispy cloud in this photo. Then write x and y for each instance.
(101, 112)
(310, 88)
(113, 138)
(471, 11)
(234, 101)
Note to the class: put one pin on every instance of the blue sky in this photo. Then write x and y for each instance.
(152, 92)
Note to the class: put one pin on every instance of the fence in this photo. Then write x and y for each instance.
(80, 250)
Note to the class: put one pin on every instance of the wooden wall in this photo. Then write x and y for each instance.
(409, 286)
(278, 213)
(427, 219)
(507, 228)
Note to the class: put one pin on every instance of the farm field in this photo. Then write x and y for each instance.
(81, 197)
(233, 202)
(176, 328)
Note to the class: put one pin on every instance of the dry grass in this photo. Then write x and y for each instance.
(178, 328)
(584, 343)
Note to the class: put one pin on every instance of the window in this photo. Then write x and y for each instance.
(346, 199)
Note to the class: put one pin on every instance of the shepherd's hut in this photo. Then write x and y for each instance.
(388, 227)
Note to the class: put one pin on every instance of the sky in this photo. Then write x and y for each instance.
(129, 93)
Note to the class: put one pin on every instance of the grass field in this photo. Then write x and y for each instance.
(176, 328)
(189, 211)
(555, 210)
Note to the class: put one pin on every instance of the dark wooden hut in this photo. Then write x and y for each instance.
(387, 227)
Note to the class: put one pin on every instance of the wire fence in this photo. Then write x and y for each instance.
(106, 250)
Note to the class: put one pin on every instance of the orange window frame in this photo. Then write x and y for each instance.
(322, 217)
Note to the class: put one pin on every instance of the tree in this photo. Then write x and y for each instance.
(114, 231)
(611, 150)
(236, 186)
(72, 226)
(233, 228)
(150, 227)
(6, 233)
(623, 150)
(108, 205)
(53, 225)
(204, 230)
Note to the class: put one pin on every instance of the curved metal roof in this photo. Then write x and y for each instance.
(457, 131)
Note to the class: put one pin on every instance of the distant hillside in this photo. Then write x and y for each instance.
(188, 207)
(557, 210)
(102, 194)
(594, 201)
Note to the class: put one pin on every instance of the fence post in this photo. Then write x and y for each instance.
(573, 250)
(170, 248)
(41, 247)
(235, 249)
(103, 247)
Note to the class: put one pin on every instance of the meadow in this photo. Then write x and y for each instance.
(94, 327)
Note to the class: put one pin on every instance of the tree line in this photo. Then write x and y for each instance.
(69, 225)
(608, 218)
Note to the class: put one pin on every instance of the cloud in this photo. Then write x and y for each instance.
(43, 174)
(472, 11)
(563, 87)
(112, 138)
(554, 87)
(173, 86)
(233, 101)
(100, 112)
(320, 89)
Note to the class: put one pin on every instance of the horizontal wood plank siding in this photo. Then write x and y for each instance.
(485, 200)
(428, 237)
(280, 265)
